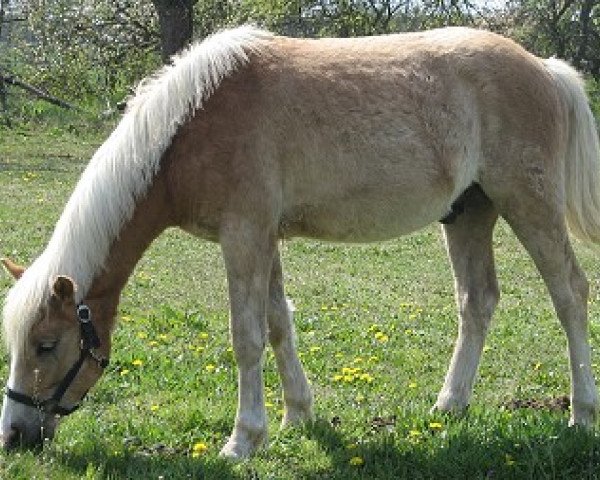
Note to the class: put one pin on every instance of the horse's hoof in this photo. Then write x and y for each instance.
(243, 444)
(450, 408)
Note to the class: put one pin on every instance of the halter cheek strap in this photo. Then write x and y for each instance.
(88, 344)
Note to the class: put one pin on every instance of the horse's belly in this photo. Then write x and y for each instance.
(366, 219)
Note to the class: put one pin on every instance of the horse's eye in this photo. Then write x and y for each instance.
(46, 347)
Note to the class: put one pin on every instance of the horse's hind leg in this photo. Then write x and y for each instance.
(469, 245)
(297, 395)
(541, 229)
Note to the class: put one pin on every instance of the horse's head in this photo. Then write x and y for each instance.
(53, 360)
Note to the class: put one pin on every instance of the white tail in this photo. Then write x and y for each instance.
(582, 162)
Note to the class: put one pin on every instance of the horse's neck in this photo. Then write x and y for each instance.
(151, 216)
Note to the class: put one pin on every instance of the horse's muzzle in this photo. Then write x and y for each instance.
(18, 437)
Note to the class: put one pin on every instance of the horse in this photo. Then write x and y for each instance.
(248, 138)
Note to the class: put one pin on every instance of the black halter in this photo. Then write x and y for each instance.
(89, 342)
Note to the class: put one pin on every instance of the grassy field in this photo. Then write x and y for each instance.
(376, 325)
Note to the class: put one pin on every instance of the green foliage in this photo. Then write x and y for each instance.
(88, 53)
(593, 89)
(84, 48)
(94, 53)
(567, 29)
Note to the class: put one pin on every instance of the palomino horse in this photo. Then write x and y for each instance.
(248, 138)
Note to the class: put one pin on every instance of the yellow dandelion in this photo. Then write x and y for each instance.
(351, 446)
(154, 408)
(339, 355)
(359, 397)
(415, 433)
(382, 337)
(203, 335)
(126, 318)
(137, 363)
(357, 461)
(373, 359)
(198, 449)
(210, 368)
(124, 372)
(348, 378)
(314, 349)
(153, 343)
(337, 378)
(142, 335)
(365, 377)
(358, 360)
(162, 336)
(509, 460)
(412, 385)
(269, 404)
(435, 426)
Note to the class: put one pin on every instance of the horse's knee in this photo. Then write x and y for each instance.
(248, 346)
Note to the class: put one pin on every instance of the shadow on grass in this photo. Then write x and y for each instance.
(526, 446)
(466, 452)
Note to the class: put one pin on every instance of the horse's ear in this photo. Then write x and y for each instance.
(63, 289)
(11, 267)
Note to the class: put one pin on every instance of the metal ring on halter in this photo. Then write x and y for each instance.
(88, 343)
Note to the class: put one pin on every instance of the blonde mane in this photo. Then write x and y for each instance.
(122, 169)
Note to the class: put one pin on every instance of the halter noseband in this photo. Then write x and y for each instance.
(88, 343)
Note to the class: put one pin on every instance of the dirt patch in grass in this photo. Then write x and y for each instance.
(557, 404)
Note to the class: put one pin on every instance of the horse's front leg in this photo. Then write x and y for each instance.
(248, 253)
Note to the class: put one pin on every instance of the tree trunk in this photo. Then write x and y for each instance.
(3, 95)
(176, 25)
(584, 37)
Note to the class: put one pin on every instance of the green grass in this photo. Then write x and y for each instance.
(142, 420)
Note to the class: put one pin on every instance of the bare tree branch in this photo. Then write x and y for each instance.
(12, 80)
